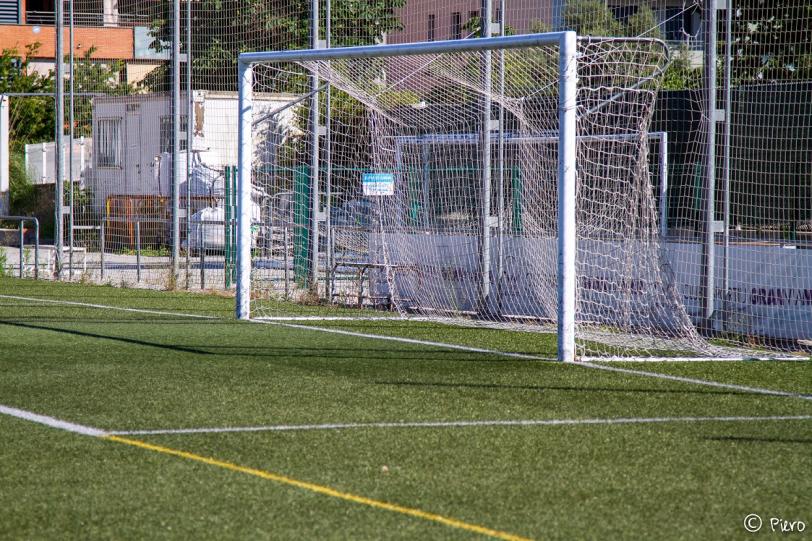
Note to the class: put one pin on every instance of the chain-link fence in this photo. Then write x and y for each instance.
(149, 125)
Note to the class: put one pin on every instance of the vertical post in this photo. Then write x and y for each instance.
(22, 246)
(244, 142)
(328, 158)
(44, 163)
(227, 227)
(287, 263)
(59, 129)
(202, 247)
(728, 117)
(5, 194)
(81, 155)
(426, 185)
(707, 287)
(101, 250)
(189, 113)
(663, 143)
(500, 258)
(70, 139)
(314, 153)
(138, 251)
(175, 137)
(36, 248)
(485, 240)
(567, 247)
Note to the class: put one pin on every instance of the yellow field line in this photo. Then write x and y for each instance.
(327, 491)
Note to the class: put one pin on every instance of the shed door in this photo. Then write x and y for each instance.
(132, 163)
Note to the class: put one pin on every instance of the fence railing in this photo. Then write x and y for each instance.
(89, 19)
(21, 220)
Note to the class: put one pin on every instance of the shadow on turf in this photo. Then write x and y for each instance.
(106, 337)
(542, 388)
(333, 353)
(750, 439)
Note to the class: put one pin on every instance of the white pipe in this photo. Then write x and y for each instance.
(245, 114)
(4, 156)
(663, 184)
(567, 246)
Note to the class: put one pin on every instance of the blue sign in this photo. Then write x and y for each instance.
(378, 184)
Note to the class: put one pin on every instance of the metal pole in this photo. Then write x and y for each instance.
(485, 241)
(70, 139)
(709, 246)
(425, 155)
(59, 98)
(5, 200)
(328, 157)
(244, 144)
(101, 248)
(567, 242)
(728, 115)
(287, 263)
(202, 247)
(138, 251)
(36, 248)
(500, 258)
(175, 137)
(663, 141)
(189, 137)
(22, 246)
(227, 209)
(314, 153)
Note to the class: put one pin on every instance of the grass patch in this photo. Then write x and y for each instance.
(119, 370)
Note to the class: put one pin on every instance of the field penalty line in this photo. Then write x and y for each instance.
(593, 364)
(262, 474)
(463, 424)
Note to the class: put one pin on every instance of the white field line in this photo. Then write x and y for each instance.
(462, 424)
(51, 421)
(694, 381)
(709, 383)
(98, 432)
(108, 307)
(405, 340)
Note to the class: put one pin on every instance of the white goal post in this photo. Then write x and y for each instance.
(567, 45)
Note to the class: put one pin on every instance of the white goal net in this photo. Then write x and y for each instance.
(430, 184)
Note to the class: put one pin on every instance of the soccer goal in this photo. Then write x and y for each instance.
(501, 181)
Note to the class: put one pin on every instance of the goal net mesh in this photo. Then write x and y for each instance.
(405, 211)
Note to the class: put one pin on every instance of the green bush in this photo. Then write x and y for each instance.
(22, 194)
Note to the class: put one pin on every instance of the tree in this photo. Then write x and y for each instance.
(221, 29)
(591, 18)
(772, 41)
(32, 118)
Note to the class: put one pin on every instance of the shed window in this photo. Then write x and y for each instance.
(108, 141)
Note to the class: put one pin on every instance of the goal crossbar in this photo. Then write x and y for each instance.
(566, 43)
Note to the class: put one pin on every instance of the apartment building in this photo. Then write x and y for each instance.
(114, 29)
(429, 20)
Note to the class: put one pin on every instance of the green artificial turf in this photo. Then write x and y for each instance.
(122, 370)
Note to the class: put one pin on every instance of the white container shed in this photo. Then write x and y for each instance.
(133, 140)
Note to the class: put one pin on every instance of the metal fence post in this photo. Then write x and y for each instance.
(202, 247)
(138, 251)
(101, 248)
(22, 245)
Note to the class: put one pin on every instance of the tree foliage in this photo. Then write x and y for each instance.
(772, 40)
(32, 118)
(221, 29)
